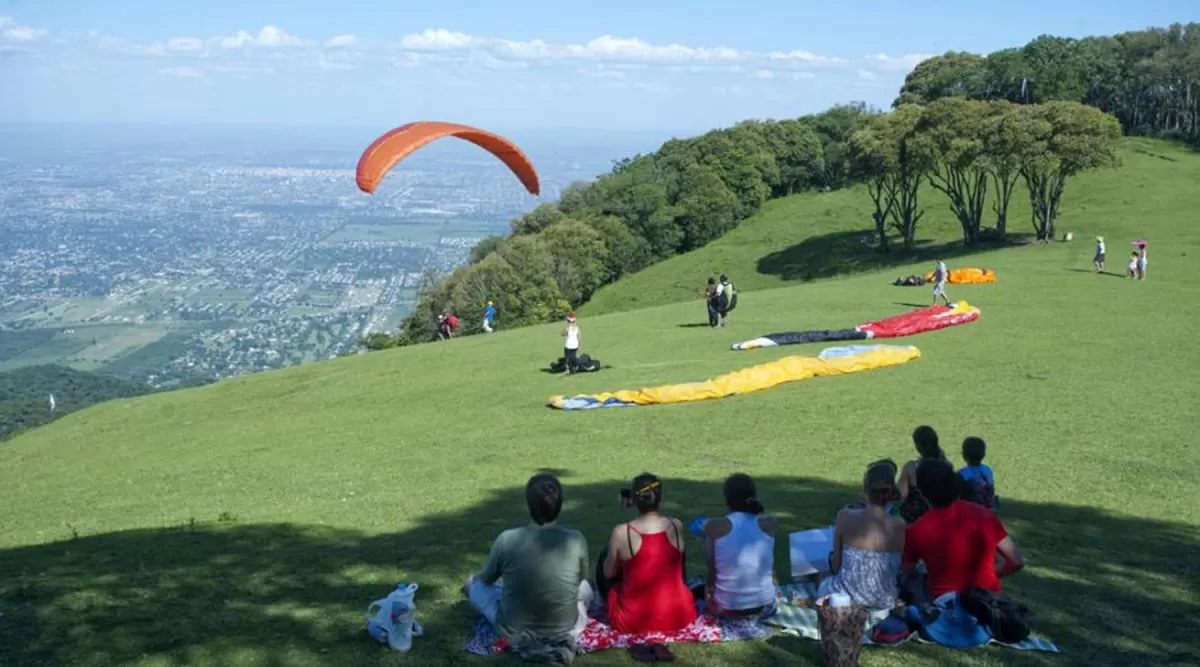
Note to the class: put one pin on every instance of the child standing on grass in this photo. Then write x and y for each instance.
(1133, 266)
(979, 483)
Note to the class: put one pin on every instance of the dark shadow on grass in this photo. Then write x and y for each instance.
(1109, 589)
(843, 253)
(1102, 273)
(695, 325)
(912, 305)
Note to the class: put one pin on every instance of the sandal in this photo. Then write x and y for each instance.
(642, 653)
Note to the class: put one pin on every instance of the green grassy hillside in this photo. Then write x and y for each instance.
(251, 522)
(818, 235)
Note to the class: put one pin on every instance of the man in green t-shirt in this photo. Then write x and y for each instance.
(544, 594)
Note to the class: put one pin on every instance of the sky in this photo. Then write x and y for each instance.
(617, 65)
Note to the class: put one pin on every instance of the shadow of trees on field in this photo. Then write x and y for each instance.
(1108, 589)
(843, 253)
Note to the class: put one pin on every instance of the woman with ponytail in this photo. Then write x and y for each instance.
(741, 554)
(641, 571)
(913, 505)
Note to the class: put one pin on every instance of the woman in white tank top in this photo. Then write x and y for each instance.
(741, 554)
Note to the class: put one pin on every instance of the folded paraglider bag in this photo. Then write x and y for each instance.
(909, 281)
(583, 363)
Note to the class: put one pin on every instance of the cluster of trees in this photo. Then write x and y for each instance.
(965, 147)
(650, 207)
(1149, 80)
(25, 395)
(969, 125)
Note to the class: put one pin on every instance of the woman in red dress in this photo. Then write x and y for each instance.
(643, 578)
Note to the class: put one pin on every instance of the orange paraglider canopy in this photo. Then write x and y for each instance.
(394, 146)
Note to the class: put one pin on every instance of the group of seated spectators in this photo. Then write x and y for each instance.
(919, 532)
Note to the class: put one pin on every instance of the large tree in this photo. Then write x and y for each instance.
(952, 74)
(950, 137)
(884, 154)
(1064, 140)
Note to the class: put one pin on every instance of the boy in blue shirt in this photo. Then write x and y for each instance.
(488, 315)
(979, 483)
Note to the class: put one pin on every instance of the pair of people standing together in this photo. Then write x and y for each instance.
(720, 298)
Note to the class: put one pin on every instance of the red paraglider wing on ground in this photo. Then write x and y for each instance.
(919, 321)
(389, 149)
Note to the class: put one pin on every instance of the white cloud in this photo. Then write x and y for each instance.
(436, 39)
(341, 40)
(182, 72)
(12, 31)
(269, 37)
(867, 75)
(803, 56)
(765, 74)
(903, 63)
(605, 48)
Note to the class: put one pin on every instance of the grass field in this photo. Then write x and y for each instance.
(252, 521)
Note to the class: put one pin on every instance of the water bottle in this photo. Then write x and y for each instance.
(400, 610)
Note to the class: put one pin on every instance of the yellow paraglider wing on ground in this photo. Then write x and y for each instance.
(832, 361)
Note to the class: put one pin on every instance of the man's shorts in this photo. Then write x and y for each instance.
(939, 289)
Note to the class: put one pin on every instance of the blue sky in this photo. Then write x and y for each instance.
(619, 64)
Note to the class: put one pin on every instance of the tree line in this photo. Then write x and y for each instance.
(1149, 80)
(964, 148)
(25, 395)
(964, 123)
(648, 208)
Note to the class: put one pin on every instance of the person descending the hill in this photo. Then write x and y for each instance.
(572, 336)
(726, 299)
(1098, 260)
(444, 332)
(710, 300)
(489, 314)
(940, 275)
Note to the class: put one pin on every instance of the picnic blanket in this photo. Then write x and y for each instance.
(801, 620)
(598, 635)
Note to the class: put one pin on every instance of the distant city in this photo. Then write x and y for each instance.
(172, 256)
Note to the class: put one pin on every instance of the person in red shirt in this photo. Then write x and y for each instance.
(642, 574)
(958, 540)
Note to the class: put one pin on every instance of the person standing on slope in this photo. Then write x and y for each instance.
(489, 314)
(571, 346)
(710, 300)
(726, 299)
(1098, 260)
(940, 275)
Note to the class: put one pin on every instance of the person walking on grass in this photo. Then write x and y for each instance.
(940, 275)
(1098, 260)
(710, 300)
(489, 314)
(572, 336)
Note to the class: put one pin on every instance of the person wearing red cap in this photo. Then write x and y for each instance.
(571, 347)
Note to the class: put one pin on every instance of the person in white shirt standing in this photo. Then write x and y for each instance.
(940, 276)
(1098, 260)
(571, 347)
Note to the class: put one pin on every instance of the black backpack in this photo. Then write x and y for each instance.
(1007, 619)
